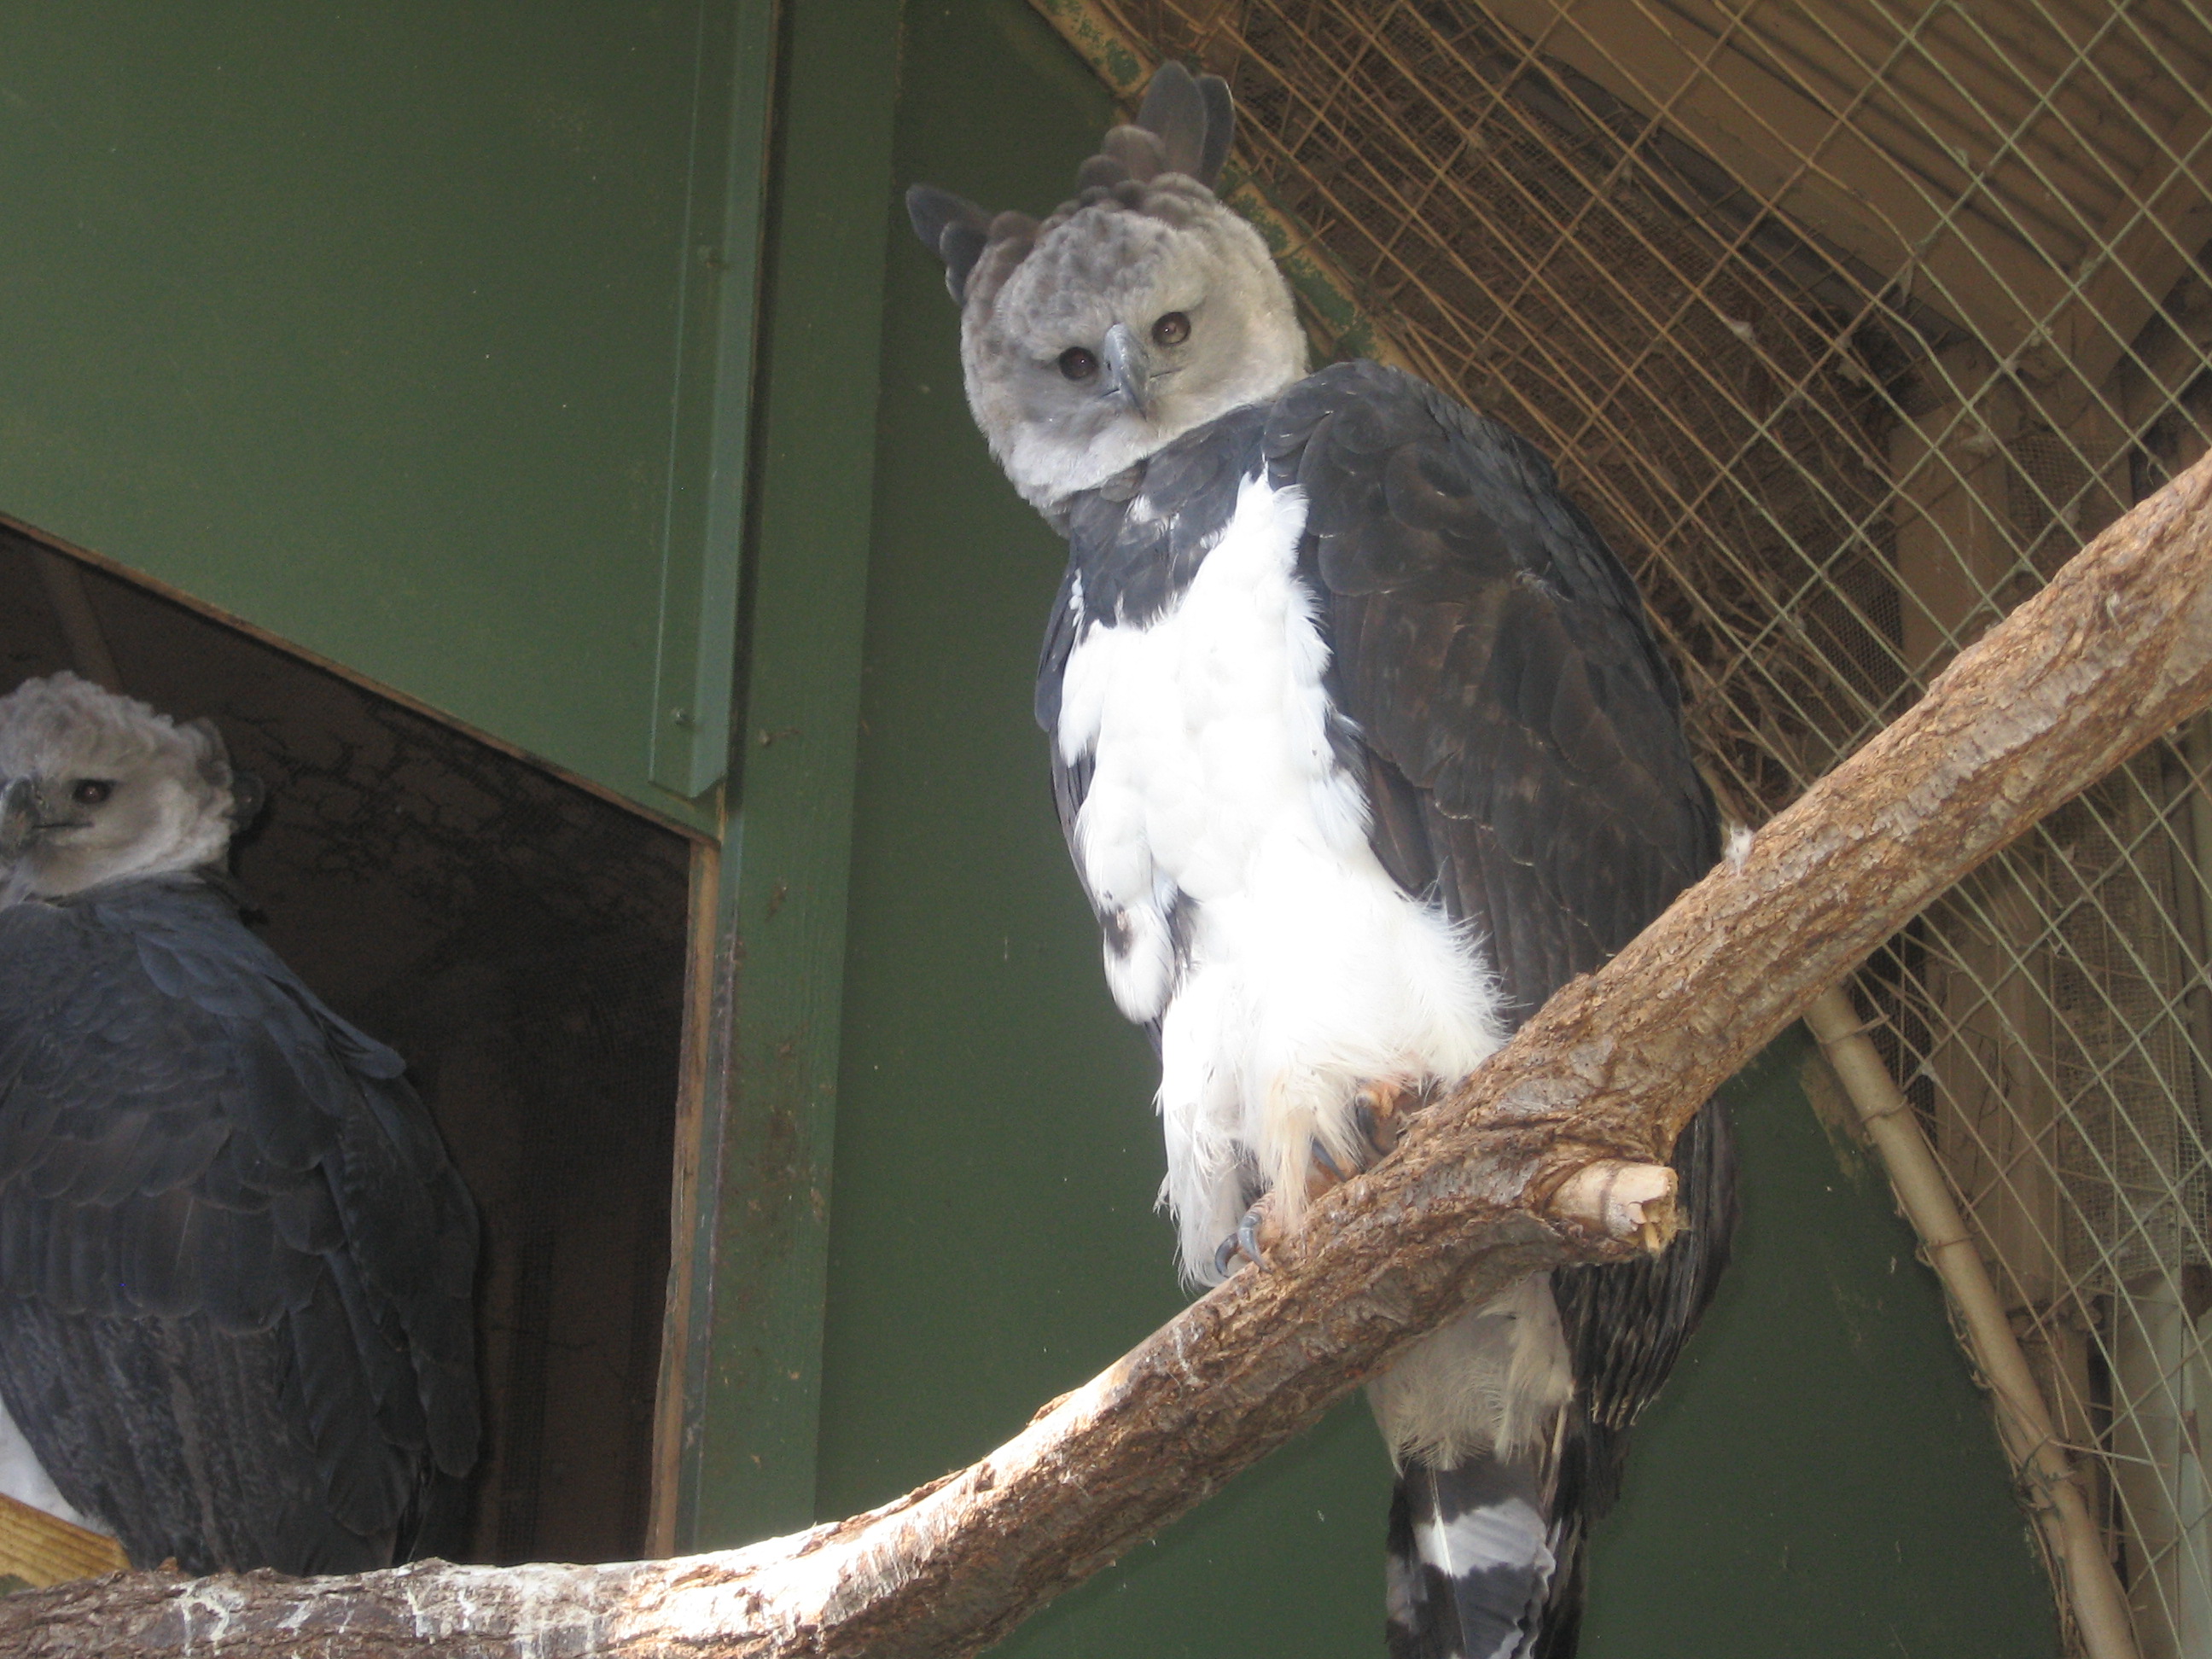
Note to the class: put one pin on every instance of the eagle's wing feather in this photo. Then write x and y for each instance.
(1521, 737)
(186, 1130)
(1070, 778)
(1524, 732)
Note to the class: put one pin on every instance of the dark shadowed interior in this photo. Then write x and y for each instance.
(521, 942)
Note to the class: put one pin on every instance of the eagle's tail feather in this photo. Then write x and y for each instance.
(1471, 1560)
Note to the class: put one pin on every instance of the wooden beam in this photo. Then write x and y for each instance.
(1955, 547)
(1549, 1153)
(64, 578)
(1680, 64)
(40, 1549)
(2149, 239)
(702, 1080)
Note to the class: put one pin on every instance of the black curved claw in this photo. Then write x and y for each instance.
(1244, 1241)
(1381, 1132)
(1363, 1119)
(1248, 1239)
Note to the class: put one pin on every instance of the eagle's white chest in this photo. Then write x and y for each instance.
(1227, 852)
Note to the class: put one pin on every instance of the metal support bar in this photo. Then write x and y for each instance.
(2024, 1422)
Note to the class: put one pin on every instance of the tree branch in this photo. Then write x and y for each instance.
(1546, 1155)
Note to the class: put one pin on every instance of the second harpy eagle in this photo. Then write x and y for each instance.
(1363, 746)
(235, 1264)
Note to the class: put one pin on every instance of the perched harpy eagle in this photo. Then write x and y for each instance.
(235, 1264)
(1363, 746)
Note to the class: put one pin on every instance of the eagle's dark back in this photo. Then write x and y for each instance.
(235, 1262)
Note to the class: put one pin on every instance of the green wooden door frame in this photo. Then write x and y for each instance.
(741, 1373)
(543, 346)
(703, 520)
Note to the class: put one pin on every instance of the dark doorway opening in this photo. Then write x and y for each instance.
(520, 941)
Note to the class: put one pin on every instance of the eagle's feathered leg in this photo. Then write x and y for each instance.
(1379, 1110)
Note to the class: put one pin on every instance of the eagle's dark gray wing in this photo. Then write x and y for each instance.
(1521, 740)
(235, 1263)
(1524, 734)
(1071, 777)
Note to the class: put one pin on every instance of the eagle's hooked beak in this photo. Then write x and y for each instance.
(18, 818)
(1128, 369)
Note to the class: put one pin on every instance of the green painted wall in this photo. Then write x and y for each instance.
(1822, 1477)
(395, 330)
(1822, 1480)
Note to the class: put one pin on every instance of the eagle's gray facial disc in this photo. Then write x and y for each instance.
(96, 788)
(1099, 278)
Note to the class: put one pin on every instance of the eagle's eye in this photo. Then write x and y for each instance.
(1171, 330)
(1077, 364)
(91, 792)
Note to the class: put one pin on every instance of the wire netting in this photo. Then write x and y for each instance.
(1851, 323)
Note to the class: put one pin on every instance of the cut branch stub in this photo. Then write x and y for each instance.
(1622, 1200)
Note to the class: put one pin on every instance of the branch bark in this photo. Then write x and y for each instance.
(1521, 1169)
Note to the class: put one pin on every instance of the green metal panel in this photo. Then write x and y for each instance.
(747, 1464)
(1822, 1480)
(396, 330)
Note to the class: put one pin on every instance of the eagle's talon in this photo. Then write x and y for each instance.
(1379, 1110)
(1377, 1113)
(1246, 1240)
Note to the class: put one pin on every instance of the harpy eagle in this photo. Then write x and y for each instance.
(235, 1263)
(1363, 746)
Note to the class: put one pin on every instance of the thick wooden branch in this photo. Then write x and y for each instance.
(1546, 1155)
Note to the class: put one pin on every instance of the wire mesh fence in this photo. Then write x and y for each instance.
(1851, 323)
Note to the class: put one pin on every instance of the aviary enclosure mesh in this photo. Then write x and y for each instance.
(1849, 323)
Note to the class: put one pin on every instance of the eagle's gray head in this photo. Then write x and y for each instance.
(1140, 309)
(96, 788)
